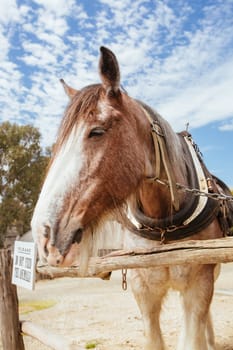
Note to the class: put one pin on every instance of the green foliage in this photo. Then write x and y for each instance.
(22, 168)
(91, 345)
(35, 305)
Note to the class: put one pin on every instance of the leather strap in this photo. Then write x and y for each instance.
(161, 157)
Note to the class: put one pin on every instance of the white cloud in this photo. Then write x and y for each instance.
(57, 7)
(8, 11)
(207, 99)
(5, 45)
(227, 126)
(180, 65)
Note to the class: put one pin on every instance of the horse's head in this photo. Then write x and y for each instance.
(98, 162)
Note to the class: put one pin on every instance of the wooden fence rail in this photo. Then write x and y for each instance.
(50, 339)
(197, 252)
(186, 252)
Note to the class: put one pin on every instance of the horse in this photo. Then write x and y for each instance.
(117, 162)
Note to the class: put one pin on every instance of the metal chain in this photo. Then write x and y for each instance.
(124, 279)
(196, 192)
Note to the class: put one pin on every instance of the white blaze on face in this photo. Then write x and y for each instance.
(104, 109)
(62, 174)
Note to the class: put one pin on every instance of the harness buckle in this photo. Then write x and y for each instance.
(155, 127)
(210, 184)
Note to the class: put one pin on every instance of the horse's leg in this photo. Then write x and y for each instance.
(197, 331)
(210, 333)
(149, 288)
(209, 327)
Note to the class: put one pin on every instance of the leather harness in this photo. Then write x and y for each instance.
(194, 214)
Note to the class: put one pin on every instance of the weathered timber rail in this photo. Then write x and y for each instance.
(185, 252)
(48, 338)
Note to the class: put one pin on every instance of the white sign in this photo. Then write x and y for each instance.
(24, 264)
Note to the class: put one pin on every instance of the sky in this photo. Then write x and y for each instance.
(175, 55)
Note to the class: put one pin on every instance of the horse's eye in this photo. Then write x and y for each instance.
(96, 132)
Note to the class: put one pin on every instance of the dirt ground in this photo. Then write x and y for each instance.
(95, 312)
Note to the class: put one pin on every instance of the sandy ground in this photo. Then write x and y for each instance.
(99, 312)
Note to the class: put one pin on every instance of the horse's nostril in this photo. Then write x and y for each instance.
(46, 251)
(77, 236)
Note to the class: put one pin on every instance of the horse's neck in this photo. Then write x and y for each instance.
(154, 200)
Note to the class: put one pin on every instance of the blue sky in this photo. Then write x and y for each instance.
(175, 55)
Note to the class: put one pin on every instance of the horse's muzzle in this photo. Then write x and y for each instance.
(63, 250)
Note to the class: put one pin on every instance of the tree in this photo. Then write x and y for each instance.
(22, 168)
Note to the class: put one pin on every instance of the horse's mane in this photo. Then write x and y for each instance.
(172, 141)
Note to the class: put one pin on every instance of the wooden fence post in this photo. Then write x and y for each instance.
(9, 317)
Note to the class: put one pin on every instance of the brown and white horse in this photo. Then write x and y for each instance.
(102, 160)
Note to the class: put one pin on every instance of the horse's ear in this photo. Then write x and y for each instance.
(109, 70)
(68, 89)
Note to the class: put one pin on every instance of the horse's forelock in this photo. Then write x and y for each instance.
(79, 107)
